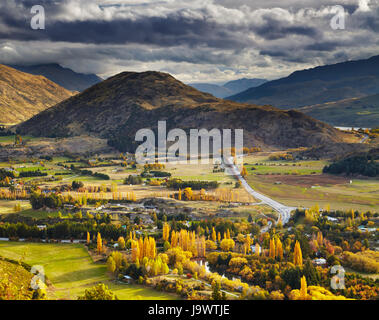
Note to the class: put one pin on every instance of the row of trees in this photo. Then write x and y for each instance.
(195, 185)
(222, 195)
(61, 230)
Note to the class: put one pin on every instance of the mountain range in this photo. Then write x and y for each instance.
(229, 88)
(329, 83)
(65, 77)
(118, 107)
(23, 95)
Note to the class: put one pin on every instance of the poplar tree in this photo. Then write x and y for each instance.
(244, 172)
(166, 231)
(303, 288)
(319, 238)
(99, 243)
(214, 236)
(297, 256)
(279, 249)
(272, 249)
(121, 243)
(257, 249)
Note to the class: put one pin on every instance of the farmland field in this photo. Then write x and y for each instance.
(70, 270)
(7, 206)
(291, 190)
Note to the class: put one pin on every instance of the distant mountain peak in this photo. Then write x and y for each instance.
(229, 88)
(65, 77)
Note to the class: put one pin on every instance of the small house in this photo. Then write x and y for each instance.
(319, 262)
(127, 279)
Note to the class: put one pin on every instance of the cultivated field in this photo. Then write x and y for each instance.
(301, 183)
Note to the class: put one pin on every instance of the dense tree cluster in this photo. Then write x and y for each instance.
(156, 174)
(363, 165)
(133, 180)
(77, 185)
(5, 173)
(36, 173)
(278, 157)
(366, 261)
(39, 200)
(62, 230)
(99, 175)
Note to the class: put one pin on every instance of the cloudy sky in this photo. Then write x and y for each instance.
(195, 40)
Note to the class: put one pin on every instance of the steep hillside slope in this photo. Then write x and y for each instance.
(355, 112)
(23, 95)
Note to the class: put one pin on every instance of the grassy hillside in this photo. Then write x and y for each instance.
(71, 270)
(355, 112)
(23, 95)
(14, 281)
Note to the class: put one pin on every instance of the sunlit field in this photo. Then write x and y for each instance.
(70, 270)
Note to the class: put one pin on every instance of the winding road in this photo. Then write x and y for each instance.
(365, 138)
(283, 210)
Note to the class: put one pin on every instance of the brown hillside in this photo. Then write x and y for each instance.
(23, 95)
(117, 107)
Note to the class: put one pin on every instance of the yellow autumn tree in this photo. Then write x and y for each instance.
(166, 231)
(272, 249)
(214, 236)
(244, 172)
(121, 243)
(135, 250)
(297, 255)
(188, 193)
(319, 238)
(99, 243)
(257, 249)
(303, 288)
(227, 244)
(278, 249)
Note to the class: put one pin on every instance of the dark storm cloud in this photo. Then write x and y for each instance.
(172, 29)
(274, 29)
(213, 38)
(322, 46)
(168, 31)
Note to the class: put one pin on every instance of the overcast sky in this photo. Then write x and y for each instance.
(194, 40)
